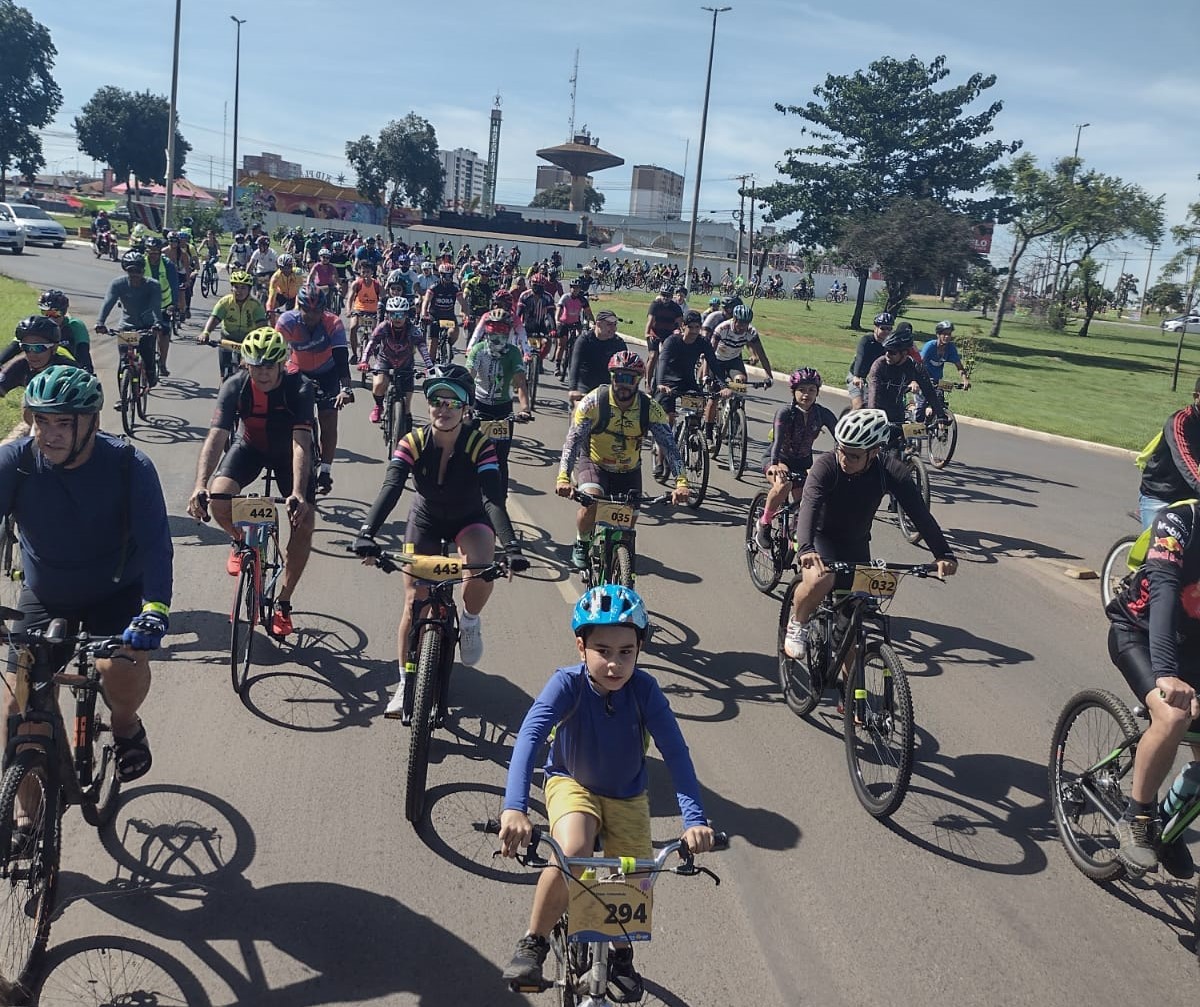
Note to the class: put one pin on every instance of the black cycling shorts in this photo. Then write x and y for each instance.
(426, 532)
(1129, 649)
(328, 388)
(588, 473)
(725, 368)
(839, 549)
(109, 616)
(403, 378)
(243, 463)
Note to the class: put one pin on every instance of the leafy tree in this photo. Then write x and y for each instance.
(29, 96)
(1187, 236)
(251, 206)
(981, 289)
(1127, 286)
(878, 135)
(1164, 297)
(400, 167)
(128, 131)
(558, 197)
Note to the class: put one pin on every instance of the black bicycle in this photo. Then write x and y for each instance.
(133, 383)
(876, 701)
(730, 428)
(46, 772)
(766, 566)
(208, 279)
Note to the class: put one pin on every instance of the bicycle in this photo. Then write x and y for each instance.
(1089, 788)
(568, 338)
(431, 645)
(766, 566)
(876, 707)
(730, 428)
(53, 770)
(689, 436)
(209, 279)
(610, 558)
(1116, 565)
(941, 435)
(601, 909)
(11, 573)
(911, 435)
(392, 414)
(133, 385)
(533, 367)
(445, 348)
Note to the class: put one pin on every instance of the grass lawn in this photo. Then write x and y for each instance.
(1113, 387)
(17, 301)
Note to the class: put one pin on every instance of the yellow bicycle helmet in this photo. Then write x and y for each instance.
(263, 346)
(239, 277)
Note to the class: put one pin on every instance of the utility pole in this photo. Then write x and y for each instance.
(170, 180)
(237, 79)
(712, 45)
(1062, 243)
(741, 219)
(1146, 285)
(750, 236)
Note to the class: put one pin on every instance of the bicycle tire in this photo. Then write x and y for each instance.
(28, 886)
(204, 283)
(1115, 567)
(532, 370)
(886, 712)
(1091, 846)
(763, 567)
(695, 464)
(241, 633)
(943, 439)
(270, 560)
(126, 397)
(919, 476)
(621, 571)
(737, 441)
(214, 283)
(564, 976)
(429, 663)
(143, 395)
(100, 797)
(390, 419)
(800, 687)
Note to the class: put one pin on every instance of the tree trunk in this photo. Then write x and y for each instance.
(862, 275)
(1010, 281)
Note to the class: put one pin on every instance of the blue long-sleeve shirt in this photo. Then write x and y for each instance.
(599, 741)
(69, 524)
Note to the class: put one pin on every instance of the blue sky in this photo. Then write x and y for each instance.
(1131, 71)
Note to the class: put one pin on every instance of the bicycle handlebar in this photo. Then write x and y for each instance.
(55, 635)
(391, 562)
(910, 569)
(635, 500)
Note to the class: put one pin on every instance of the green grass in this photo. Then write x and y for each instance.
(17, 300)
(1113, 387)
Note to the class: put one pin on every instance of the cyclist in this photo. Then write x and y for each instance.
(662, 318)
(729, 338)
(477, 295)
(141, 308)
(596, 715)
(457, 480)
(266, 415)
(312, 245)
(263, 262)
(238, 314)
(109, 574)
(426, 280)
(73, 333)
(438, 305)
(796, 426)
(870, 349)
(935, 354)
(1154, 626)
(210, 247)
(340, 260)
(284, 286)
(179, 253)
(719, 310)
(368, 252)
(162, 271)
(389, 356)
(609, 423)
(503, 299)
(365, 299)
(841, 495)
(891, 376)
(38, 345)
(535, 311)
(573, 308)
(323, 274)
(239, 253)
(588, 368)
(317, 341)
(678, 360)
(498, 369)
(1172, 461)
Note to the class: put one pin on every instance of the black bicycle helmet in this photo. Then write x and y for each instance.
(37, 329)
(454, 378)
(900, 339)
(133, 260)
(54, 300)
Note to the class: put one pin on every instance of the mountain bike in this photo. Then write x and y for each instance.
(1116, 564)
(46, 772)
(533, 367)
(910, 454)
(941, 436)
(209, 279)
(568, 335)
(1091, 773)
(431, 645)
(610, 558)
(445, 348)
(766, 566)
(730, 428)
(689, 436)
(602, 908)
(11, 573)
(133, 385)
(876, 705)
(393, 414)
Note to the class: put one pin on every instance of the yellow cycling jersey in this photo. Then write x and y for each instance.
(238, 319)
(283, 286)
(617, 445)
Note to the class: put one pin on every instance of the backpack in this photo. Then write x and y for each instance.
(1137, 554)
(604, 405)
(1144, 456)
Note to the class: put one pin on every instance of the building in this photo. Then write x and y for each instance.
(550, 175)
(272, 165)
(656, 193)
(464, 170)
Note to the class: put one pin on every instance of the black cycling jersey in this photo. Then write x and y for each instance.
(794, 434)
(664, 316)
(677, 360)
(1173, 470)
(589, 361)
(265, 420)
(445, 296)
(869, 350)
(887, 385)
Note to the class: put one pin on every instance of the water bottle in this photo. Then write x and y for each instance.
(1185, 787)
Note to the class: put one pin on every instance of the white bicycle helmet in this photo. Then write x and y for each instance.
(397, 306)
(863, 428)
(395, 278)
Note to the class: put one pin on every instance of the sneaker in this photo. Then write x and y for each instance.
(762, 537)
(793, 639)
(1177, 861)
(579, 553)
(281, 621)
(162, 368)
(625, 985)
(324, 481)
(660, 470)
(525, 968)
(376, 410)
(22, 842)
(1137, 851)
(233, 565)
(470, 639)
(395, 708)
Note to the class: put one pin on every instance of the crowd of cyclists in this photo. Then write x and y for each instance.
(286, 369)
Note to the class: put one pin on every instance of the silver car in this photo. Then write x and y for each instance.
(12, 234)
(1175, 324)
(39, 225)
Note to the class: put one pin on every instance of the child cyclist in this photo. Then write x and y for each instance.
(596, 715)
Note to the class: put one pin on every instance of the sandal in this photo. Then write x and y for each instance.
(133, 756)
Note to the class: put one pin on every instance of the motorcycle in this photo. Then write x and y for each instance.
(105, 243)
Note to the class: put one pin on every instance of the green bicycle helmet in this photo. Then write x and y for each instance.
(64, 389)
(264, 346)
(239, 277)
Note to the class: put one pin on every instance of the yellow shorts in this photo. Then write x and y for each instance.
(624, 821)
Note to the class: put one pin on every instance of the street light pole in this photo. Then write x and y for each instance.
(691, 252)
(237, 75)
(169, 199)
(1062, 242)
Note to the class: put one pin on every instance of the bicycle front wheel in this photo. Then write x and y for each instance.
(564, 974)
(425, 695)
(143, 396)
(28, 866)
(737, 442)
(532, 370)
(1116, 566)
(390, 419)
(878, 729)
(621, 570)
(127, 391)
(763, 564)
(920, 478)
(801, 679)
(241, 633)
(100, 795)
(943, 438)
(695, 465)
(1091, 767)
(204, 284)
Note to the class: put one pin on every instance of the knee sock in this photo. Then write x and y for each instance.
(768, 515)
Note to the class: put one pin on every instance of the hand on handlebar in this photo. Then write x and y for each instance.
(102, 330)
(563, 490)
(297, 509)
(197, 505)
(947, 568)
(515, 831)
(679, 496)
(698, 839)
(812, 561)
(367, 549)
(344, 398)
(1176, 692)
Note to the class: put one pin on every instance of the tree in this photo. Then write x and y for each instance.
(558, 197)
(1165, 296)
(29, 96)
(1187, 237)
(878, 135)
(128, 132)
(982, 289)
(402, 166)
(1127, 286)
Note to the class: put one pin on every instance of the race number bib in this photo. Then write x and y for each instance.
(496, 430)
(436, 568)
(607, 910)
(874, 582)
(614, 515)
(255, 511)
(694, 403)
(129, 338)
(914, 429)
(737, 386)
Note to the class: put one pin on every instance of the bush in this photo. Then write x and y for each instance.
(1057, 315)
(203, 217)
(880, 302)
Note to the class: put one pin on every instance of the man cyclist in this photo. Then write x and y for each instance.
(389, 357)
(438, 306)
(892, 375)
(935, 354)
(1172, 462)
(662, 318)
(477, 295)
(364, 299)
(588, 367)
(369, 253)
(179, 253)
(607, 430)
(284, 286)
(340, 260)
(870, 349)
(162, 271)
(38, 344)
(498, 369)
(73, 333)
(141, 309)
(317, 341)
(535, 312)
(730, 337)
(263, 262)
(238, 314)
(239, 253)
(841, 495)
(110, 573)
(679, 357)
(573, 309)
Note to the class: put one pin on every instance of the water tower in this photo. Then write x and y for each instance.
(580, 158)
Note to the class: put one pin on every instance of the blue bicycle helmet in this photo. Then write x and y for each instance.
(610, 605)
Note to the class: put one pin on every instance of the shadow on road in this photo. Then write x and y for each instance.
(115, 970)
(974, 546)
(930, 648)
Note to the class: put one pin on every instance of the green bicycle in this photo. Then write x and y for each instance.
(611, 555)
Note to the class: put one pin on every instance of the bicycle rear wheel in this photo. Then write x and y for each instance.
(425, 695)
(1115, 567)
(28, 874)
(695, 464)
(621, 569)
(242, 621)
(1092, 726)
(737, 441)
(920, 479)
(943, 438)
(763, 565)
(802, 680)
(878, 728)
(128, 400)
(101, 793)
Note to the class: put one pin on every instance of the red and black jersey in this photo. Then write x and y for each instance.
(266, 420)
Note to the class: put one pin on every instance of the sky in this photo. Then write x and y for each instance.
(1129, 70)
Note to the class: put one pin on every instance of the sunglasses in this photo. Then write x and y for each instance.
(38, 347)
(52, 313)
(625, 378)
(852, 456)
(440, 403)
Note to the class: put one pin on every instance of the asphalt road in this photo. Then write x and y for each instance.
(266, 860)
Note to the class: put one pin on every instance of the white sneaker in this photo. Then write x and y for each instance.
(793, 639)
(395, 708)
(470, 640)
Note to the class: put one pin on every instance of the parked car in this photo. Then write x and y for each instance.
(12, 234)
(1175, 324)
(38, 224)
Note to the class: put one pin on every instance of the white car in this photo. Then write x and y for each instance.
(38, 224)
(12, 234)
(1175, 324)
